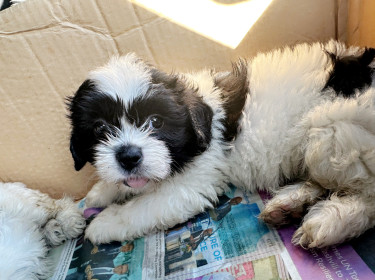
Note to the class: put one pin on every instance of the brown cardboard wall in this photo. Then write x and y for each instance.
(361, 23)
(47, 48)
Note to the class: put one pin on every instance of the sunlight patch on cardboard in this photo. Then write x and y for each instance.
(226, 23)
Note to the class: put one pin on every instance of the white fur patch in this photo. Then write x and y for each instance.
(125, 77)
(29, 220)
(156, 159)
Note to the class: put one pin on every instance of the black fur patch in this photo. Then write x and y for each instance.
(6, 4)
(235, 88)
(186, 118)
(351, 73)
(93, 114)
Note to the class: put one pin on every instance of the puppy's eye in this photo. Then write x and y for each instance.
(156, 122)
(100, 127)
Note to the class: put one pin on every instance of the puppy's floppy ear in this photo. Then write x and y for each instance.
(234, 87)
(199, 112)
(78, 154)
(81, 138)
(201, 119)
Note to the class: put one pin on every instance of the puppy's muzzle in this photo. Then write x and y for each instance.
(129, 157)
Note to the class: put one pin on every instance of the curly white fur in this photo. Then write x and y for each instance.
(292, 129)
(30, 223)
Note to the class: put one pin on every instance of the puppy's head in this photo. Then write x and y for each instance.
(137, 124)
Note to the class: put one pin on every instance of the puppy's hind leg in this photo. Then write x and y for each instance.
(335, 220)
(291, 202)
(340, 157)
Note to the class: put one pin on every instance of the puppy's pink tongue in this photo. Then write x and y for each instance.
(136, 183)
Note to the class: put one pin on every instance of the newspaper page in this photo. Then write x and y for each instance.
(268, 268)
(339, 262)
(222, 241)
(115, 261)
(332, 263)
(227, 242)
(63, 254)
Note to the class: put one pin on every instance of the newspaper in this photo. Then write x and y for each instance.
(227, 242)
(335, 262)
(228, 237)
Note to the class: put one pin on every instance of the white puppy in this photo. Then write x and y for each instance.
(164, 145)
(30, 223)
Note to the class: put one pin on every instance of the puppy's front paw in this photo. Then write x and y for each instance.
(98, 233)
(57, 232)
(71, 219)
(108, 226)
(53, 233)
(94, 199)
(101, 195)
(67, 224)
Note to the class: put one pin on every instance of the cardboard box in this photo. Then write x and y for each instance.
(47, 47)
(361, 23)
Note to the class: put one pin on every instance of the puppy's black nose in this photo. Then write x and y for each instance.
(129, 157)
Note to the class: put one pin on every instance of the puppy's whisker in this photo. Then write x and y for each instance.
(137, 115)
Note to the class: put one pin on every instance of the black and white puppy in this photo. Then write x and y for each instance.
(164, 145)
